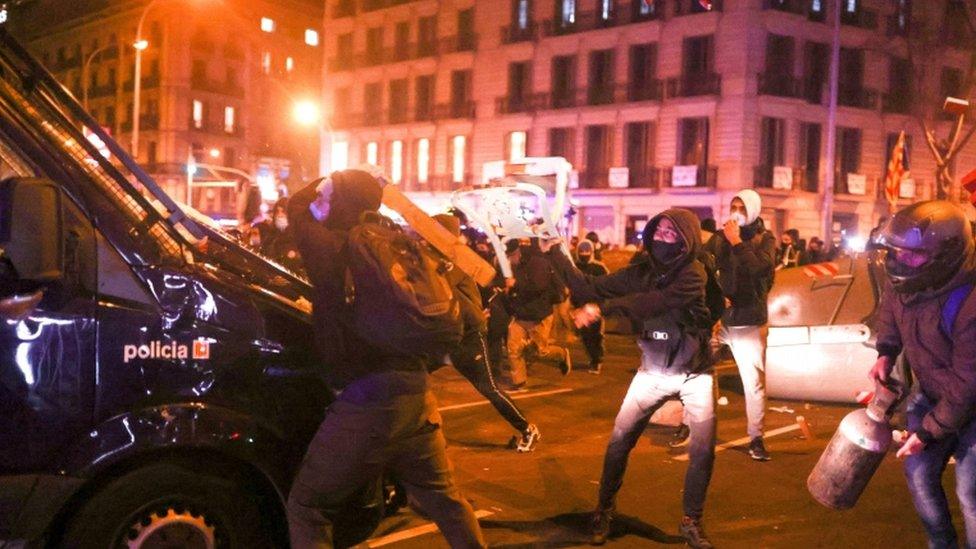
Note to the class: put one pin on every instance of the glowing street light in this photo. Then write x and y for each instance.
(307, 113)
(141, 44)
(215, 153)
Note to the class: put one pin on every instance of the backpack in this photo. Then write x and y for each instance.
(950, 310)
(714, 298)
(400, 298)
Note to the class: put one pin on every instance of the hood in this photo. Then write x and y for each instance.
(353, 192)
(753, 204)
(585, 247)
(688, 226)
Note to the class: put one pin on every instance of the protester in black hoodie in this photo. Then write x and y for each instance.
(591, 335)
(385, 416)
(666, 294)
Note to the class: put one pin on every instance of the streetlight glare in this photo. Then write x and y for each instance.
(141, 44)
(307, 113)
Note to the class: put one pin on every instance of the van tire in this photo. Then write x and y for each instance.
(171, 497)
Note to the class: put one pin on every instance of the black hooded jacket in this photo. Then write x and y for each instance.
(745, 272)
(662, 298)
(323, 247)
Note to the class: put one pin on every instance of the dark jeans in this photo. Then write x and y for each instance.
(924, 474)
(649, 390)
(498, 322)
(592, 337)
(387, 421)
(471, 359)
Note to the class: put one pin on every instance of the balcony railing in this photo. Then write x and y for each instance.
(690, 7)
(513, 104)
(706, 177)
(102, 91)
(859, 98)
(865, 19)
(462, 109)
(459, 43)
(213, 86)
(803, 180)
(899, 103)
(652, 90)
(813, 90)
(692, 85)
(779, 84)
(645, 177)
(513, 33)
(151, 81)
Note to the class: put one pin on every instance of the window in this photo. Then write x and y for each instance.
(566, 12)
(458, 158)
(198, 72)
(816, 57)
(230, 77)
(401, 41)
(779, 55)
(850, 91)
(340, 155)
(341, 102)
(518, 86)
(398, 100)
(229, 119)
(465, 25)
(312, 37)
(642, 69)
(809, 155)
(850, 6)
(423, 160)
(374, 45)
(598, 156)
(848, 156)
(561, 143)
(521, 14)
(424, 93)
(197, 114)
(903, 17)
(344, 50)
(396, 162)
(899, 86)
(600, 88)
(698, 55)
(289, 64)
(563, 81)
(644, 9)
(266, 62)
(267, 24)
(692, 141)
(772, 142)
(152, 153)
(427, 36)
(373, 153)
(606, 10)
(460, 93)
(640, 153)
(516, 145)
(373, 101)
(110, 117)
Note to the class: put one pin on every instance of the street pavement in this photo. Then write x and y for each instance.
(543, 498)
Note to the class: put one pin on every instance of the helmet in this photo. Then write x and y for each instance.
(926, 243)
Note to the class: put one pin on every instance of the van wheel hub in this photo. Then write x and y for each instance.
(170, 529)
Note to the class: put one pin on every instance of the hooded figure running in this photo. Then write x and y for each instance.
(665, 294)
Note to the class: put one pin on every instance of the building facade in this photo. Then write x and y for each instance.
(218, 83)
(656, 103)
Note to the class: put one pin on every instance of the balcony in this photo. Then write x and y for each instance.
(110, 53)
(898, 103)
(596, 179)
(802, 179)
(513, 104)
(705, 177)
(455, 109)
(603, 94)
(102, 91)
(65, 63)
(212, 86)
(150, 82)
(644, 177)
(565, 99)
(146, 122)
(427, 48)
(645, 91)
(859, 98)
(864, 19)
(779, 85)
(813, 90)
(585, 21)
(798, 7)
(694, 85)
(458, 43)
(512, 34)
(691, 7)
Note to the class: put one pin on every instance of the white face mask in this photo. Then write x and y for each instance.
(281, 222)
(739, 219)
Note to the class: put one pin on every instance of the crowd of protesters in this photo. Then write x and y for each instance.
(691, 288)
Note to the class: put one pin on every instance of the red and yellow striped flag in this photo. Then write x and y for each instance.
(895, 173)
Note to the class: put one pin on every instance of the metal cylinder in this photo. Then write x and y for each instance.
(850, 460)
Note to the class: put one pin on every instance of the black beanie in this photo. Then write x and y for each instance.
(353, 192)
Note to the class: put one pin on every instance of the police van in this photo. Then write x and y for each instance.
(165, 387)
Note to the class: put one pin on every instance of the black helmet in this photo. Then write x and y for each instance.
(926, 244)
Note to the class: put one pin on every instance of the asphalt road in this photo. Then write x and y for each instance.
(543, 498)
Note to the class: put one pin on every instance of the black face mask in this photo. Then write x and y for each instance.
(666, 252)
(584, 258)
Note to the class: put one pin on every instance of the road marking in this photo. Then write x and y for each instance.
(414, 532)
(745, 440)
(513, 397)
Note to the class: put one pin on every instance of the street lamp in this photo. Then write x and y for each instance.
(139, 44)
(307, 113)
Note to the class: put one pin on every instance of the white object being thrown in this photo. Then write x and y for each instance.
(524, 199)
